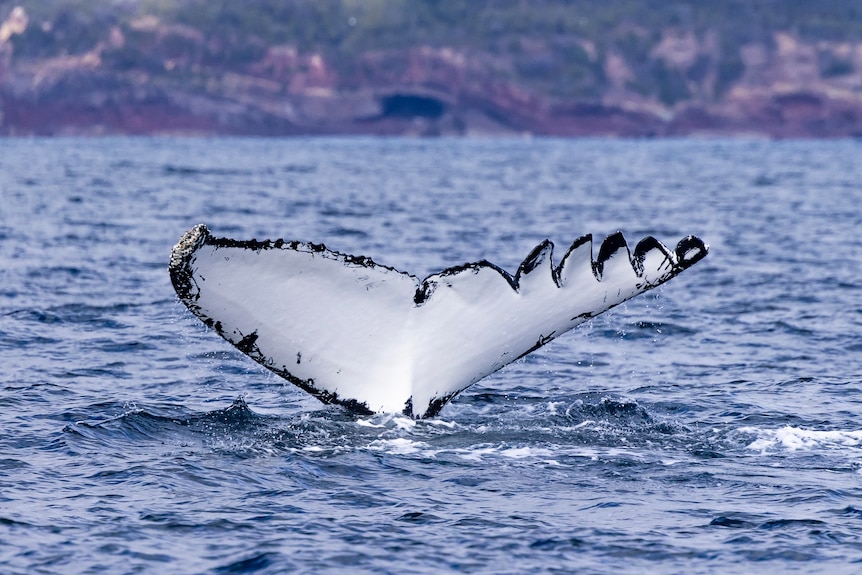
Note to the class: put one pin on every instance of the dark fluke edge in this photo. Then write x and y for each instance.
(374, 339)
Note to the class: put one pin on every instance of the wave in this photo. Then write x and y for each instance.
(173, 425)
(593, 428)
(590, 425)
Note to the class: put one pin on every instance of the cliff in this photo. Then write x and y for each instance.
(139, 70)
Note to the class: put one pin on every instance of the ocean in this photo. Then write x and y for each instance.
(713, 425)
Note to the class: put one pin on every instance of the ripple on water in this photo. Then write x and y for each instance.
(708, 427)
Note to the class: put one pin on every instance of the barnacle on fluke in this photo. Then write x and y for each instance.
(378, 340)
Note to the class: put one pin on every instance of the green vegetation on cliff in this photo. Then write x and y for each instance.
(490, 24)
(556, 46)
(364, 24)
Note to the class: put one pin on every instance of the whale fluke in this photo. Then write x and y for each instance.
(364, 335)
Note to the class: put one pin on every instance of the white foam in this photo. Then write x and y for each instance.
(476, 454)
(791, 438)
(368, 423)
(383, 420)
(404, 423)
(401, 446)
(523, 452)
(442, 423)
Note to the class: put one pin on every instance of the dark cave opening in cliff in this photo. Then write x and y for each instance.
(411, 106)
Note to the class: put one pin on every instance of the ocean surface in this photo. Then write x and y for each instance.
(713, 425)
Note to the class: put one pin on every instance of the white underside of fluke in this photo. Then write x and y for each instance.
(378, 340)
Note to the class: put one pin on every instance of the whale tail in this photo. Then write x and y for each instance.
(369, 337)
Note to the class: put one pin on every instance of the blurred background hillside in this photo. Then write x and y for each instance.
(779, 68)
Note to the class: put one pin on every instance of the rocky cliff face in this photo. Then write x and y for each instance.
(151, 77)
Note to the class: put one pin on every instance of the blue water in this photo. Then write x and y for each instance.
(713, 425)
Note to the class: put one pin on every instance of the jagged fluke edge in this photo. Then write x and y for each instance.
(688, 251)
